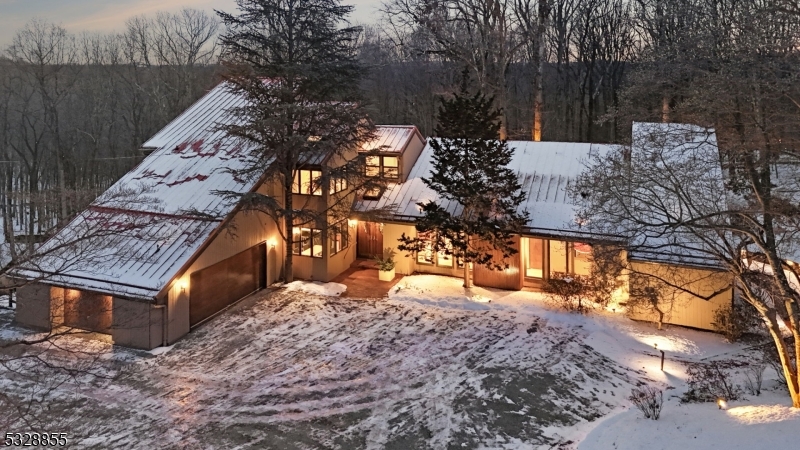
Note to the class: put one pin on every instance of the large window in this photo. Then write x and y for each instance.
(386, 166)
(307, 242)
(543, 256)
(338, 237)
(307, 182)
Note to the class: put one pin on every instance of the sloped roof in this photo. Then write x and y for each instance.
(545, 169)
(392, 138)
(136, 236)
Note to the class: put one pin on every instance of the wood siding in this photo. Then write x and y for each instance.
(370, 239)
(510, 278)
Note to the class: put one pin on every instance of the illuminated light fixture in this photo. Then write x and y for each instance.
(352, 223)
(272, 243)
(182, 284)
(722, 404)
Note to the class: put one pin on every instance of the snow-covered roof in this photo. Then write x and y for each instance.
(545, 169)
(392, 138)
(666, 147)
(136, 236)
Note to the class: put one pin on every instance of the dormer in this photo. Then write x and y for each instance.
(398, 147)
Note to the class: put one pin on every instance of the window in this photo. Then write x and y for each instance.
(428, 256)
(386, 166)
(543, 256)
(338, 237)
(307, 242)
(373, 193)
(305, 180)
(338, 185)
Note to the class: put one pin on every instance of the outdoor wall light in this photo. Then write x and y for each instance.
(272, 243)
(182, 284)
(352, 223)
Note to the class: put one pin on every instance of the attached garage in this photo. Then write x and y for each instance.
(87, 310)
(220, 285)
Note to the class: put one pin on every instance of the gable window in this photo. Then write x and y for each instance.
(373, 193)
(338, 237)
(385, 166)
(307, 182)
(307, 242)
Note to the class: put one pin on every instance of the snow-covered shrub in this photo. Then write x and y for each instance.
(733, 322)
(711, 381)
(649, 400)
(569, 292)
(773, 360)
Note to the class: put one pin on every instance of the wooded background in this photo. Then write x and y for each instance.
(75, 108)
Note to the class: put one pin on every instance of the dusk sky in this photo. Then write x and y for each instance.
(108, 15)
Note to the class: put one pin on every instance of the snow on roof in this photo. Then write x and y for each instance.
(162, 197)
(678, 147)
(169, 202)
(391, 138)
(545, 169)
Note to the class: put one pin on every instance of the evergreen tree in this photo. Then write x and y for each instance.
(470, 166)
(295, 63)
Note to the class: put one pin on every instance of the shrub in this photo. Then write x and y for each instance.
(569, 292)
(754, 377)
(733, 322)
(710, 381)
(649, 400)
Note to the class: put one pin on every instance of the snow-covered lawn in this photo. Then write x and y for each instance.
(429, 367)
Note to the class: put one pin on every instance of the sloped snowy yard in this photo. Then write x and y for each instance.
(426, 368)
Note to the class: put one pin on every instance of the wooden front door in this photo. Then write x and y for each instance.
(370, 240)
(216, 287)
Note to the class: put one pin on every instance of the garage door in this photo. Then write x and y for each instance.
(217, 286)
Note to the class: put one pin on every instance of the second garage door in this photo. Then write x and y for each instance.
(217, 286)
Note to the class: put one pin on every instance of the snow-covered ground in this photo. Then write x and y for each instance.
(429, 367)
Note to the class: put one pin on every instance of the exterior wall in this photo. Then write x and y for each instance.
(405, 264)
(136, 324)
(511, 278)
(341, 261)
(410, 155)
(35, 308)
(86, 310)
(177, 310)
(688, 310)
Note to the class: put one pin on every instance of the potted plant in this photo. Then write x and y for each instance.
(386, 265)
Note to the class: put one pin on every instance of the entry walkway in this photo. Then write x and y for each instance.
(362, 281)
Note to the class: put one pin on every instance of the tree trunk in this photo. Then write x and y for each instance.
(790, 369)
(467, 278)
(665, 109)
(539, 54)
(288, 224)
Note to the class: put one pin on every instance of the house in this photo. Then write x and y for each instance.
(160, 252)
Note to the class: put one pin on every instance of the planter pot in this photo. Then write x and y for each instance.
(386, 275)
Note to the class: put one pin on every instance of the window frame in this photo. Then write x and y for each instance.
(341, 228)
(297, 244)
(298, 184)
(381, 168)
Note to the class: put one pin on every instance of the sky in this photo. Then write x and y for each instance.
(110, 15)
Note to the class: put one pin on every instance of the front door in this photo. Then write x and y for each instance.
(370, 239)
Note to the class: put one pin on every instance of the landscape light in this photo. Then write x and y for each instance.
(722, 403)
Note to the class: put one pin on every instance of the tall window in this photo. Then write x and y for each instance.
(556, 257)
(307, 242)
(338, 237)
(386, 166)
(307, 182)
